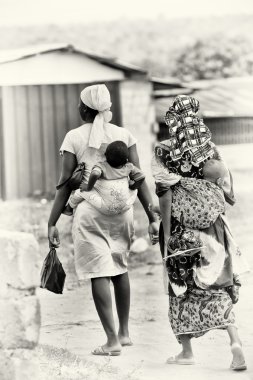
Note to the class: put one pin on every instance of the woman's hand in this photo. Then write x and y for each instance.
(153, 231)
(53, 237)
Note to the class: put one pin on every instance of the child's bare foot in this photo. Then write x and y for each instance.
(68, 210)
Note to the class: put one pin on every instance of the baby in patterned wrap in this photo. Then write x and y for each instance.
(112, 185)
(199, 202)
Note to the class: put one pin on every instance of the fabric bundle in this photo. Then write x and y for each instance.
(187, 131)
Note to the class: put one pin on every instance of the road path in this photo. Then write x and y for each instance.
(69, 321)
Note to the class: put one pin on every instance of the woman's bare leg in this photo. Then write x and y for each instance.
(186, 347)
(186, 355)
(233, 335)
(102, 298)
(122, 298)
(235, 342)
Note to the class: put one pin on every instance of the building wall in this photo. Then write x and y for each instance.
(230, 130)
(138, 116)
(225, 130)
(35, 120)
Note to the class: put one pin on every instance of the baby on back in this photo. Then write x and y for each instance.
(111, 184)
(199, 202)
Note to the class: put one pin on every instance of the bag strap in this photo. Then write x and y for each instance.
(62, 184)
(80, 167)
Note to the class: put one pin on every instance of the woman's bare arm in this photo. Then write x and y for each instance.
(68, 166)
(165, 202)
(145, 198)
(143, 191)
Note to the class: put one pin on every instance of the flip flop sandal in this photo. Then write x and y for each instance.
(180, 361)
(101, 352)
(238, 367)
(236, 348)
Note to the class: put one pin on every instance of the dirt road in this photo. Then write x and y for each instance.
(70, 321)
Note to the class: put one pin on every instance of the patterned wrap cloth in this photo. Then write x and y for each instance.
(200, 201)
(111, 194)
(187, 132)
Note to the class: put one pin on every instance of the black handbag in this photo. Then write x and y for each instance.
(52, 276)
(76, 179)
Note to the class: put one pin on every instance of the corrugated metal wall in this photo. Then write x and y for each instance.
(234, 130)
(35, 120)
(225, 130)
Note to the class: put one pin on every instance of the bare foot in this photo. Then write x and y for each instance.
(183, 358)
(238, 362)
(185, 355)
(115, 347)
(125, 341)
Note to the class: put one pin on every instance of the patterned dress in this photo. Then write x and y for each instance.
(196, 310)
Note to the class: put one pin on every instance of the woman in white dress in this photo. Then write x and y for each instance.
(101, 242)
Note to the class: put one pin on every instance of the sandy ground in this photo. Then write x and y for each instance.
(70, 321)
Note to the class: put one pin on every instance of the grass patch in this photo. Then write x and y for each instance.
(60, 364)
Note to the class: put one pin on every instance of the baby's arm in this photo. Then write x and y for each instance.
(228, 180)
(136, 177)
(94, 176)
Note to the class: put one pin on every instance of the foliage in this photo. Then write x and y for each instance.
(163, 46)
(215, 57)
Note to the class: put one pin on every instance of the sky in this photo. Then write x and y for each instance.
(28, 12)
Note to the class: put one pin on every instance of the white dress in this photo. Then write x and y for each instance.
(101, 242)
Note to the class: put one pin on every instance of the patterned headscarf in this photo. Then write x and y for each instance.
(187, 132)
(98, 98)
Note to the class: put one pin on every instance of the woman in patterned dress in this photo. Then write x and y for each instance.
(194, 310)
(101, 242)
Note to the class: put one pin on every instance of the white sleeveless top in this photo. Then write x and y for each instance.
(76, 142)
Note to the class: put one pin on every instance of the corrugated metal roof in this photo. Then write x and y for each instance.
(61, 64)
(231, 97)
(11, 55)
(18, 54)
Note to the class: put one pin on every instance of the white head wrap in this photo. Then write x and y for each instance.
(98, 98)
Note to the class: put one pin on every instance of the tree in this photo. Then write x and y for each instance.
(215, 57)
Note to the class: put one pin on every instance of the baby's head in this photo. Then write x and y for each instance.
(215, 171)
(116, 154)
